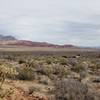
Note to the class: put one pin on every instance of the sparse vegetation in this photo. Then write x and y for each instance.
(58, 77)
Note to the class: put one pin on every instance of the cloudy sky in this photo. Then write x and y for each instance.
(56, 21)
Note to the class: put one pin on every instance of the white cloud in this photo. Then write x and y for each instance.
(55, 21)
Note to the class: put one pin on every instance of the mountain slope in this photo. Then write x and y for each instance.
(10, 40)
(9, 37)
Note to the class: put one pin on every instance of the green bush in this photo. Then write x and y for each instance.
(63, 61)
(78, 67)
(25, 73)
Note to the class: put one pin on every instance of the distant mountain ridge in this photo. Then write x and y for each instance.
(10, 40)
(8, 37)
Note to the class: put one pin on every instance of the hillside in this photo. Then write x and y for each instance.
(10, 40)
(7, 38)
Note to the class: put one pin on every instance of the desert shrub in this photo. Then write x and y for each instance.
(6, 71)
(61, 71)
(78, 67)
(25, 73)
(69, 89)
(21, 61)
(98, 66)
(52, 69)
(49, 61)
(72, 62)
(48, 69)
(5, 92)
(64, 56)
(90, 96)
(32, 89)
(45, 69)
(95, 68)
(31, 64)
(63, 61)
(45, 80)
(83, 74)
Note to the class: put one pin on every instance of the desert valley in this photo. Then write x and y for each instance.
(42, 71)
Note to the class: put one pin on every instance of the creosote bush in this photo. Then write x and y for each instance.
(63, 61)
(61, 71)
(25, 73)
(70, 89)
(78, 67)
(53, 69)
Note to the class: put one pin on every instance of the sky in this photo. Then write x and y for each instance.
(74, 22)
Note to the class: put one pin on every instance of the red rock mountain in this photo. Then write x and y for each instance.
(10, 40)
